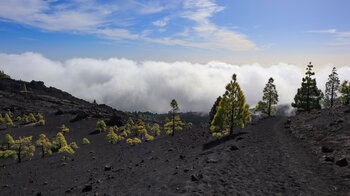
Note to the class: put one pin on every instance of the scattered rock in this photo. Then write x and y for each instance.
(171, 149)
(31, 181)
(38, 194)
(212, 160)
(80, 116)
(108, 167)
(45, 183)
(182, 157)
(233, 148)
(326, 149)
(342, 162)
(196, 177)
(329, 159)
(64, 164)
(87, 188)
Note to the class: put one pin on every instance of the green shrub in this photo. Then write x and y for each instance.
(101, 126)
(64, 129)
(45, 145)
(133, 141)
(32, 118)
(8, 120)
(59, 142)
(86, 141)
(73, 145)
(155, 129)
(111, 136)
(149, 137)
(19, 118)
(39, 116)
(2, 120)
(8, 142)
(66, 149)
(5, 154)
(41, 122)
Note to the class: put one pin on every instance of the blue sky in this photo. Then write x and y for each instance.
(235, 31)
(182, 49)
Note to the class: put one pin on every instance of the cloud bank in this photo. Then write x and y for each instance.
(150, 85)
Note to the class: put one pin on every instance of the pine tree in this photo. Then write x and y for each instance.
(175, 122)
(45, 145)
(8, 142)
(111, 136)
(308, 96)
(345, 91)
(332, 86)
(32, 118)
(59, 142)
(24, 147)
(101, 126)
(232, 110)
(64, 129)
(214, 109)
(4, 75)
(269, 99)
(155, 130)
(8, 120)
(86, 141)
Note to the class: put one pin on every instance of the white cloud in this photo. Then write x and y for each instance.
(150, 85)
(342, 38)
(161, 23)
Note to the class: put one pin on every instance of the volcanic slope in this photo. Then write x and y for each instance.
(261, 160)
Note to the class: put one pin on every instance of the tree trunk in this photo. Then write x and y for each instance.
(42, 151)
(19, 153)
(232, 119)
(173, 123)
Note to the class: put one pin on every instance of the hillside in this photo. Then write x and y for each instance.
(272, 156)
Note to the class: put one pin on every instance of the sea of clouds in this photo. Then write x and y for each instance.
(150, 85)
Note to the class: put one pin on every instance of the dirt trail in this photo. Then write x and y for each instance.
(268, 162)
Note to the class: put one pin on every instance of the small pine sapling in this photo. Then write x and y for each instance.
(45, 145)
(25, 148)
(149, 137)
(59, 142)
(86, 141)
(111, 136)
(101, 126)
(8, 120)
(32, 118)
(155, 129)
(8, 142)
(64, 129)
(73, 145)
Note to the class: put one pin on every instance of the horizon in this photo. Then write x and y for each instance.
(138, 55)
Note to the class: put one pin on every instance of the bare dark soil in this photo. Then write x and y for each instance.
(265, 158)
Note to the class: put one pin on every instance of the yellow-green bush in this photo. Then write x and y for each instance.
(64, 129)
(149, 137)
(32, 118)
(45, 145)
(8, 120)
(133, 141)
(101, 126)
(73, 145)
(86, 141)
(41, 122)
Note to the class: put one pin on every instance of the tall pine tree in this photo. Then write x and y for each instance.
(345, 92)
(232, 110)
(269, 99)
(332, 86)
(175, 122)
(214, 109)
(308, 96)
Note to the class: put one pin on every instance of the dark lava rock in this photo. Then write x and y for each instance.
(212, 161)
(59, 112)
(342, 162)
(80, 116)
(196, 177)
(329, 159)
(325, 149)
(116, 119)
(233, 148)
(182, 157)
(87, 188)
(108, 168)
(38, 194)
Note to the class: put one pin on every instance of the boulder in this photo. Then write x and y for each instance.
(87, 188)
(342, 162)
(326, 149)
